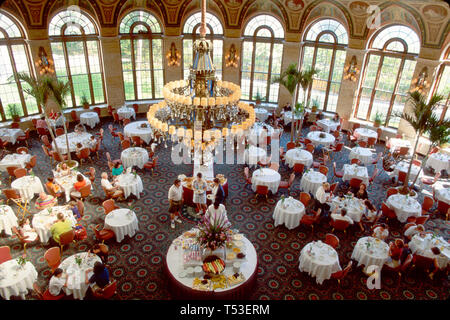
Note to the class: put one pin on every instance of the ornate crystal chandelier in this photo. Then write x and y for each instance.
(202, 110)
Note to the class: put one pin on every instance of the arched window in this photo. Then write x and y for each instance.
(214, 33)
(142, 56)
(324, 49)
(14, 58)
(442, 87)
(77, 56)
(387, 74)
(261, 58)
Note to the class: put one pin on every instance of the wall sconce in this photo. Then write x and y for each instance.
(173, 56)
(352, 70)
(421, 81)
(232, 58)
(44, 64)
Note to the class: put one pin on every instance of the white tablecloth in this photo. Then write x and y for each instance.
(363, 154)
(90, 119)
(288, 212)
(403, 166)
(66, 182)
(442, 194)
(262, 114)
(126, 113)
(404, 207)
(134, 157)
(298, 155)
(266, 177)
(76, 284)
(11, 135)
(287, 117)
(439, 161)
(14, 160)
(59, 122)
(15, 280)
(259, 132)
(316, 140)
(328, 125)
(396, 143)
(365, 134)
(319, 260)
(123, 222)
(130, 184)
(311, 181)
(45, 217)
(355, 207)
(7, 219)
(74, 138)
(28, 186)
(253, 154)
(134, 129)
(355, 171)
(370, 251)
(422, 246)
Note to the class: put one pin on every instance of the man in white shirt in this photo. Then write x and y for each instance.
(342, 216)
(323, 196)
(111, 191)
(413, 230)
(57, 281)
(217, 211)
(176, 202)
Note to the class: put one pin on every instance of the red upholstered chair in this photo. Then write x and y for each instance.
(333, 187)
(32, 163)
(66, 238)
(136, 108)
(388, 212)
(53, 257)
(107, 292)
(401, 153)
(422, 219)
(152, 165)
(311, 220)
(110, 110)
(262, 190)
(248, 180)
(429, 181)
(102, 234)
(25, 137)
(59, 157)
(305, 198)
(401, 268)
(42, 131)
(137, 141)
(323, 170)
(355, 161)
(10, 171)
(22, 149)
(390, 192)
(287, 184)
(339, 275)
(125, 121)
(74, 115)
(290, 145)
(402, 177)
(443, 208)
(337, 174)
(5, 254)
(350, 137)
(356, 126)
(307, 141)
(109, 205)
(99, 111)
(15, 125)
(48, 296)
(363, 144)
(427, 204)
(84, 154)
(337, 148)
(310, 147)
(59, 132)
(332, 240)
(20, 172)
(298, 168)
(355, 182)
(339, 225)
(116, 117)
(125, 144)
(423, 263)
(371, 142)
(417, 162)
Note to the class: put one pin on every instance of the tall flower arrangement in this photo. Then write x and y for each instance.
(214, 232)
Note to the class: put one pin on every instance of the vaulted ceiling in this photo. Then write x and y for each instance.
(431, 19)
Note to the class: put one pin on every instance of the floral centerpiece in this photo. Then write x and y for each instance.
(21, 261)
(214, 232)
(78, 261)
(321, 135)
(144, 125)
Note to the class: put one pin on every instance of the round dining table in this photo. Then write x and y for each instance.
(126, 112)
(74, 138)
(287, 117)
(355, 207)
(439, 161)
(10, 135)
(288, 212)
(123, 222)
(14, 160)
(261, 114)
(311, 181)
(319, 260)
(90, 119)
(76, 273)
(28, 186)
(130, 183)
(8, 220)
(370, 251)
(394, 144)
(16, 280)
(365, 155)
(328, 125)
(253, 154)
(43, 220)
(67, 181)
(364, 134)
(404, 206)
(421, 244)
(266, 177)
(321, 138)
(354, 171)
(134, 157)
(404, 166)
(298, 155)
(135, 129)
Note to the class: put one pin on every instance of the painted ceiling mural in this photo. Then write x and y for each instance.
(429, 17)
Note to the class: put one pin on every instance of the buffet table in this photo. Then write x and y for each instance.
(185, 276)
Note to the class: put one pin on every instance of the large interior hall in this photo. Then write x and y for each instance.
(224, 150)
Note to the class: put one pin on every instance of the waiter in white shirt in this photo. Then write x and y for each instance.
(176, 202)
(217, 211)
(323, 196)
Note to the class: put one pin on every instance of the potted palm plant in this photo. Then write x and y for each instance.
(258, 98)
(14, 112)
(314, 105)
(378, 119)
(84, 101)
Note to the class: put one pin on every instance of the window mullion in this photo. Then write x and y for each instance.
(88, 70)
(252, 70)
(18, 83)
(394, 94)
(374, 90)
(269, 73)
(69, 73)
(150, 43)
(330, 76)
(133, 63)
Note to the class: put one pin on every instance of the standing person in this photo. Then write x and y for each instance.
(323, 196)
(176, 202)
(217, 212)
(219, 193)
(199, 186)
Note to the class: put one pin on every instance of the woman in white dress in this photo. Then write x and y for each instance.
(199, 186)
